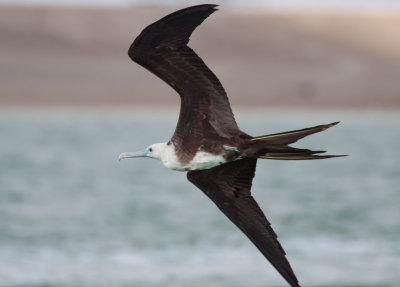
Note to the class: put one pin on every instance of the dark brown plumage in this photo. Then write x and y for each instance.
(206, 124)
(229, 187)
(205, 111)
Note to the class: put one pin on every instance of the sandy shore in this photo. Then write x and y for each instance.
(78, 56)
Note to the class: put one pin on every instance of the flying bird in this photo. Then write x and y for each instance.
(218, 157)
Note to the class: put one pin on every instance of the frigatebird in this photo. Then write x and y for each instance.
(207, 143)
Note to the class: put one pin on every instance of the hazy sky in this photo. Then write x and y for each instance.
(265, 3)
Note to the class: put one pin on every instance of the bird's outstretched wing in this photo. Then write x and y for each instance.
(161, 48)
(229, 187)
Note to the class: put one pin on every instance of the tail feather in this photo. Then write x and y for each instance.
(286, 138)
(300, 157)
(276, 146)
(296, 154)
(297, 157)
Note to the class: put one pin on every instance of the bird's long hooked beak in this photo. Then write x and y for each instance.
(142, 153)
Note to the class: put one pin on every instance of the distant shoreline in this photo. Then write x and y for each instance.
(69, 56)
(168, 110)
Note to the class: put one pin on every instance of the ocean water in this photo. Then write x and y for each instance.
(72, 215)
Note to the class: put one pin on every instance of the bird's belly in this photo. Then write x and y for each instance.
(202, 160)
(205, 160)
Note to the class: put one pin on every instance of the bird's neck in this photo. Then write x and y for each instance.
(168, 156)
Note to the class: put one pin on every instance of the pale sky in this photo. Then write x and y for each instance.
(254, 3)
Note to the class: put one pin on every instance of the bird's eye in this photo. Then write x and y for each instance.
(150, 149)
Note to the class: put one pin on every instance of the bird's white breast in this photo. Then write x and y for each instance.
(202, 160)
(205, 160)
(170, 159)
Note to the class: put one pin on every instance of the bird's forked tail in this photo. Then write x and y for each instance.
(276, 146)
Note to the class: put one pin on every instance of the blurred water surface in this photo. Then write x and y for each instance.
(72, 215)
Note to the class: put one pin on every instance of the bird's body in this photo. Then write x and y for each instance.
(167, 154)
(219, 157)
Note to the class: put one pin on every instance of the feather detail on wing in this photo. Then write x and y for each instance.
(161, 48)
(229, 187)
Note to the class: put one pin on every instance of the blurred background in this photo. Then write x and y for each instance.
(71, 101)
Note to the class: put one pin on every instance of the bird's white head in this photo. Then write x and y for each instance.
(153, 151)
